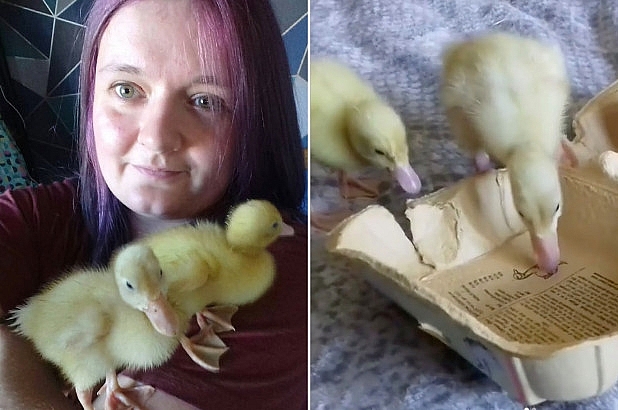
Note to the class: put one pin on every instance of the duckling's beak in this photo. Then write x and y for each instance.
(546, 251)
(162, 316)
(407, 178)
(286, 230)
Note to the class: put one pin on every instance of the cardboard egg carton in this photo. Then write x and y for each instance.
(465, 270)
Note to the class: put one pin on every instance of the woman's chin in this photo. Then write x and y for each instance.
(168, 201)
(163, 207)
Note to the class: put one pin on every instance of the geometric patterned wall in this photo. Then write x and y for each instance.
(41, 40)
(293, 18)
(294, 21)
(42, 43)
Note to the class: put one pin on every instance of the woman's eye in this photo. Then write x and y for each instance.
(209, 102)
(125, 91)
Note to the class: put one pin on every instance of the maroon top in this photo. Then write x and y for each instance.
(42, 234)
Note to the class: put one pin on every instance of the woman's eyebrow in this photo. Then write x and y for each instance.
(120, 68)
(130, 69)
(206, 79)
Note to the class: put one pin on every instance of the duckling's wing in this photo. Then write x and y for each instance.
(194, 271)
(60, 320)
(88, 328)
(334, 89)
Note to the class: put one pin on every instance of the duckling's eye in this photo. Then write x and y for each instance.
(275, 225)
(520, 214)
(129, 285)
(160, 273)
(557, 208)
(377, 151)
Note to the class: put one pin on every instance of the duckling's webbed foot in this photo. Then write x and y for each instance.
(125, 398)
(219, 317)
(207, 356)
(205, 348)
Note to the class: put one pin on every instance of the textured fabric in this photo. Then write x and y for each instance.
(366, 353)
(13, 172)
(266, 364)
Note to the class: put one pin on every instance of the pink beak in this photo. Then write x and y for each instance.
(546, 251)
(286, 230)
(408, 179)
(162, 316)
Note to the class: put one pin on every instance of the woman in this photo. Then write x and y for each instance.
(186, 109)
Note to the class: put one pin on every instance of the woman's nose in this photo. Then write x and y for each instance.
(160, 129)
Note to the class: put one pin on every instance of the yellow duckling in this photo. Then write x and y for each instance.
(505, 98)
(353, 128)
(208, 264)
(94, 321)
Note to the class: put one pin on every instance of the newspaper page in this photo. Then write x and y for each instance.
(520, 303)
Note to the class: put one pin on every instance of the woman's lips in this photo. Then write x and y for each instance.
(158, 173)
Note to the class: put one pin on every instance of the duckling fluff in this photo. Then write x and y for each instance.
(353, 128)
(93, 322)
(505, 97)
(208, 264)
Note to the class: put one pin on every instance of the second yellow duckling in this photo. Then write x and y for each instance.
(93, 322)
(505, 97)
(208, 264)
(353, 128)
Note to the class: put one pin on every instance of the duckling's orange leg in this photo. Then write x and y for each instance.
(118, 398)
(220, 317)
(85, 398)
(350, 188)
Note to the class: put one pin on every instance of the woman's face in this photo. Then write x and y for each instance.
(161, 122)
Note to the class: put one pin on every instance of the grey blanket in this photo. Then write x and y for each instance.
(366, 353)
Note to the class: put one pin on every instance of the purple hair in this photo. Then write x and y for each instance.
(268, 153)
